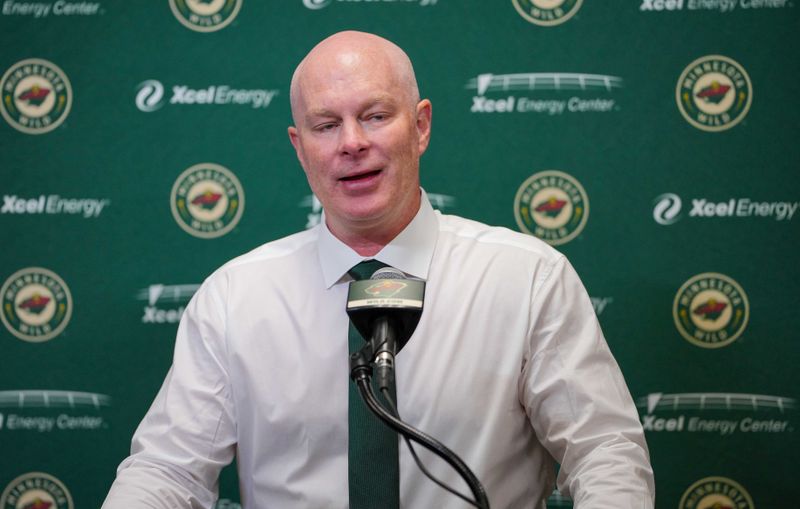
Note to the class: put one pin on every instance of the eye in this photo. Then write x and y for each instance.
(378, 117)
(327, 126)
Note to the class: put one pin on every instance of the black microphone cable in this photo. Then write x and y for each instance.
(388, 397)
(395, 321)
(361, 375)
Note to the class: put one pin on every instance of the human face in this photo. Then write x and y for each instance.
(359, 137)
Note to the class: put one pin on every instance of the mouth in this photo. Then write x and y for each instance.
(360, 176)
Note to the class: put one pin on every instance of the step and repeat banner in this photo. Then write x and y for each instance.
(654, 142)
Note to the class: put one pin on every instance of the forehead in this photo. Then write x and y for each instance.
(348, 77)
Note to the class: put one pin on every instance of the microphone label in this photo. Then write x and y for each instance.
(399, 300)
(385, 293)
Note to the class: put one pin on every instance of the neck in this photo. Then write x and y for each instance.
(365, 246)
(366, 241)
(368, 238)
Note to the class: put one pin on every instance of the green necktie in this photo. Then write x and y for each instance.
(373, 464)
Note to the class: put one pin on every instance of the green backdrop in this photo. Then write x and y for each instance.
(143, 144)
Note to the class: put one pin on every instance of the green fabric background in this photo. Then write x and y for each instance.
(624, 159)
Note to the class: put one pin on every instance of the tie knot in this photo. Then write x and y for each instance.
(365, 269)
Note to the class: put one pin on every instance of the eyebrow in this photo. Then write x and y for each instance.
(327, 113)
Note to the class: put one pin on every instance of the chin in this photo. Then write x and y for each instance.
(366, 206)
(365, 215)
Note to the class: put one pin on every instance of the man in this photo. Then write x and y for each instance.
(508, 366)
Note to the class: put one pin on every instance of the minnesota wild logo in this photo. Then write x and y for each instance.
(36, 490)
(207, 200)
(547, 12)
(716, 493)
(385, 289)
(205, 15)
(34, 95)
(714, 93)
(37, 304)
(37, 96)
(551, 205)
(711, 310)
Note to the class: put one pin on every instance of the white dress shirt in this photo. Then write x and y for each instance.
(507, 367)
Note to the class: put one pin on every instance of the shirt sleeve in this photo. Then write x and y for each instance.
(577, 400)
(189, 433)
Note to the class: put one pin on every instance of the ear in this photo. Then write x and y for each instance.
(294, 137)
(424, 111)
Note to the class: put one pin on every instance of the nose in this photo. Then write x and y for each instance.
(353, 140)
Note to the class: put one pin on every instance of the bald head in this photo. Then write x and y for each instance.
(346, 52)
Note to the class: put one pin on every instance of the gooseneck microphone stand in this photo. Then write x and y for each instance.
(361, 374)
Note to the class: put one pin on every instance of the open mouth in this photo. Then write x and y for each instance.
(360, 176)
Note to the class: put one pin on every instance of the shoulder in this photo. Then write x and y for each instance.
(274, 264)
(496, 240)
(508, 267)
(278, 256)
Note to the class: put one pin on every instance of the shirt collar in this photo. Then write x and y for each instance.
(411, 251)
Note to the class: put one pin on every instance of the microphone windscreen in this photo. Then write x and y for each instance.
(388, 273)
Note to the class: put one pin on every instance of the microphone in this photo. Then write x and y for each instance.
(386, 310)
